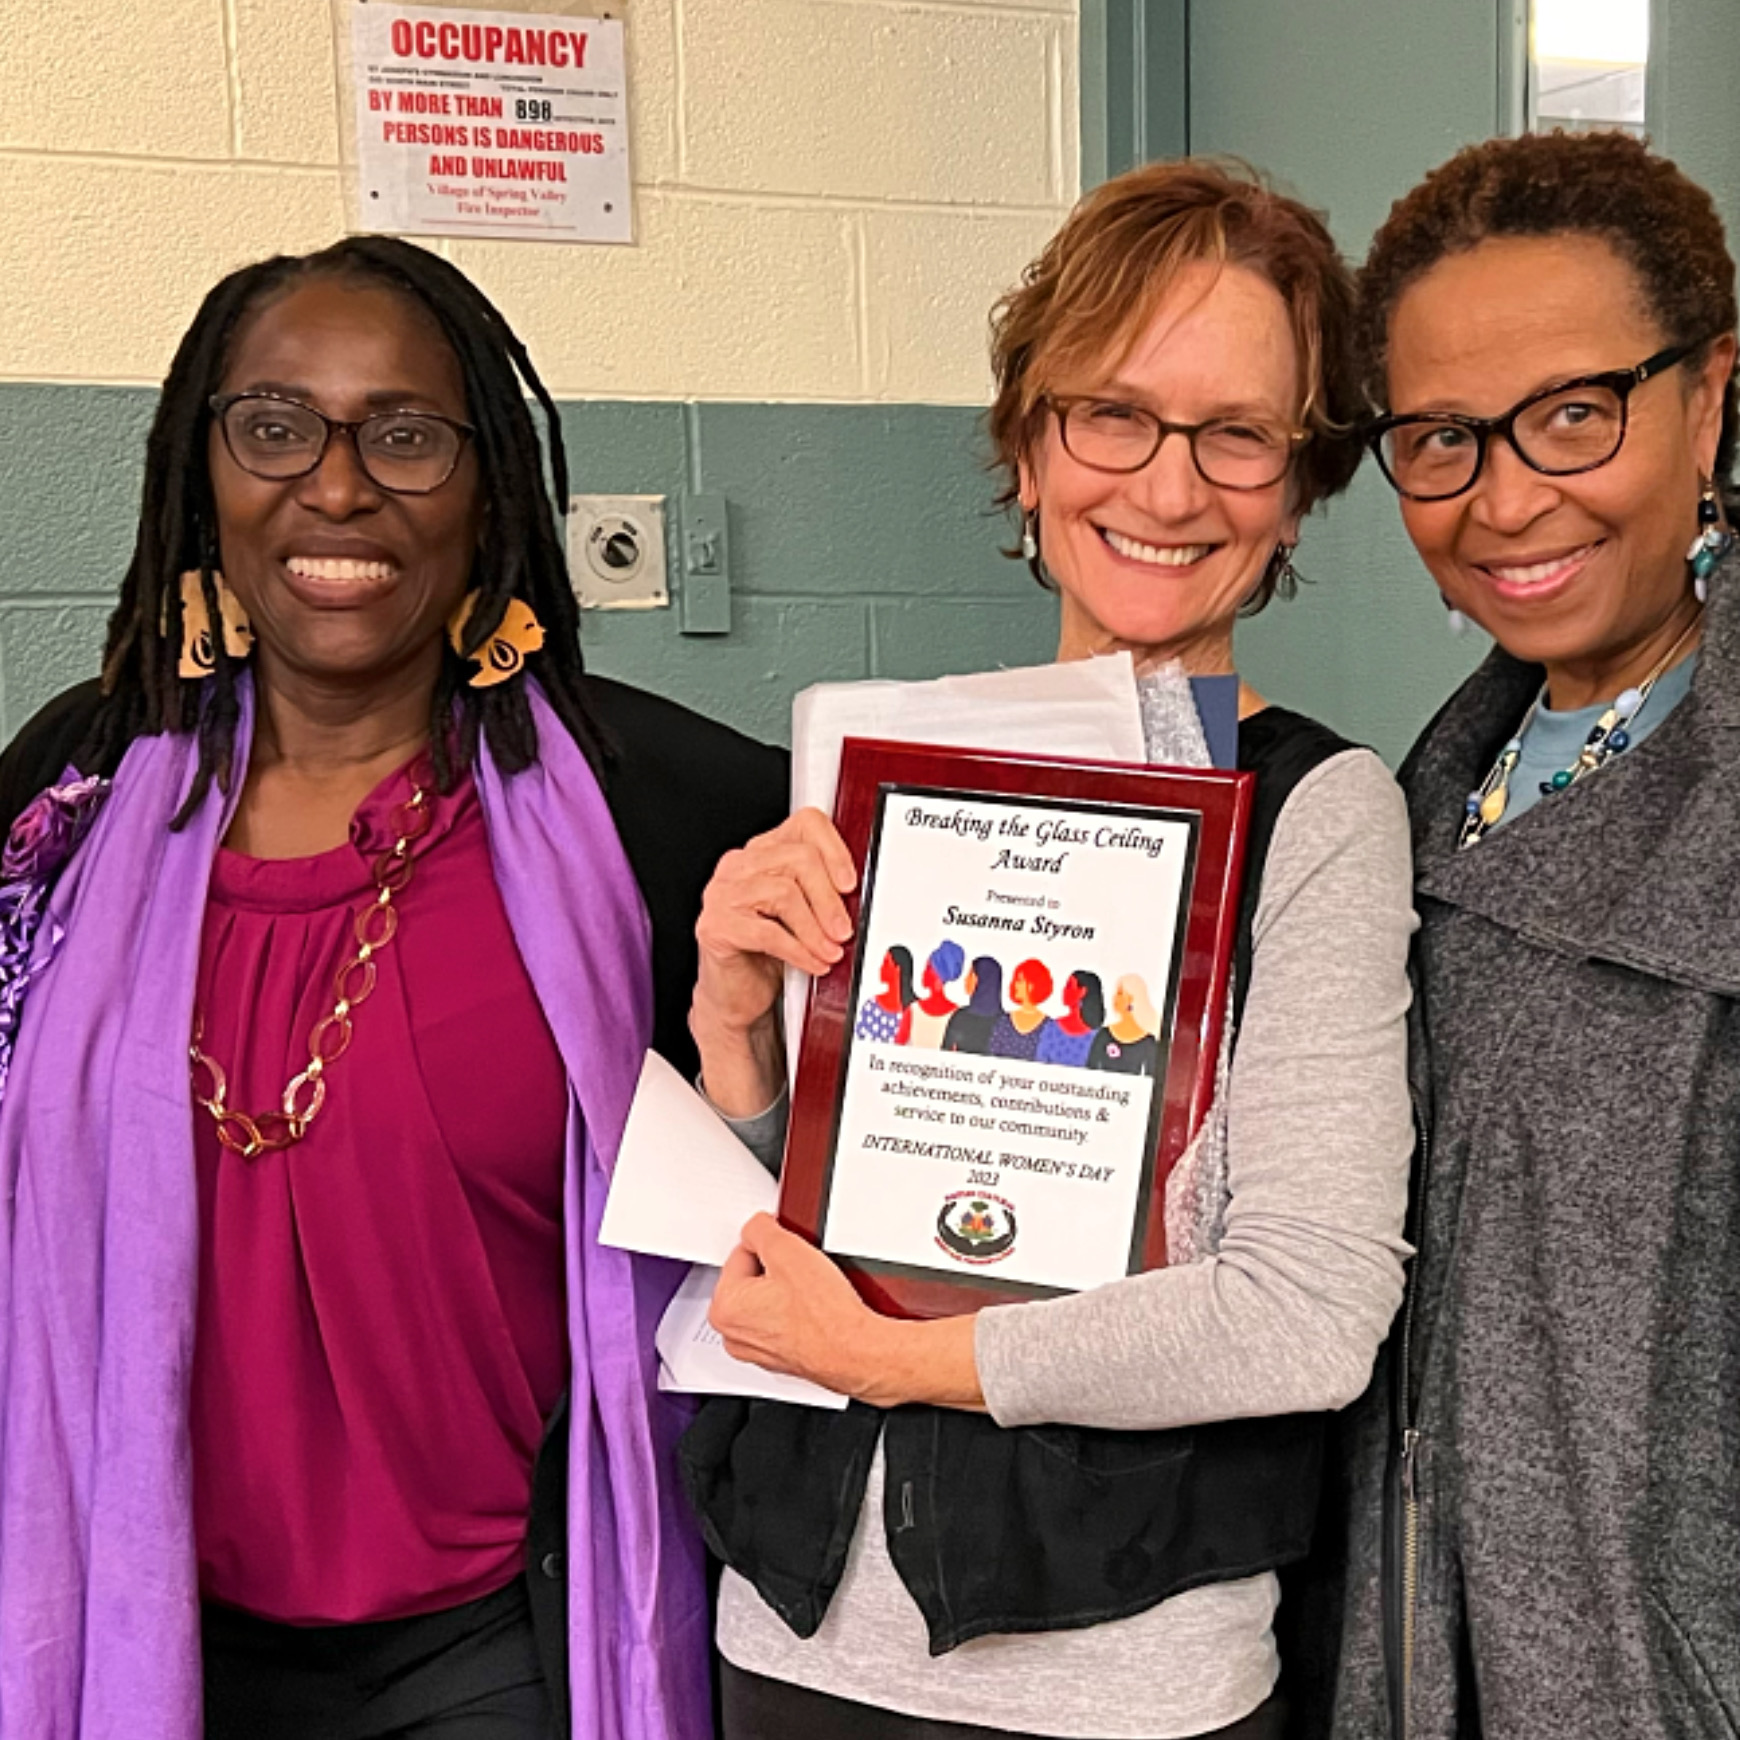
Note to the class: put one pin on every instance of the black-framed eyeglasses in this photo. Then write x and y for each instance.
(1229, 452)
(406, 452)
(1561, 430)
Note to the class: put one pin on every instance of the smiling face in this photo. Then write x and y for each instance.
(1584, 574)
(345, 581)
(1160, 559)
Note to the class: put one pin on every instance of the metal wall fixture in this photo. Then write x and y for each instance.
(616, 551)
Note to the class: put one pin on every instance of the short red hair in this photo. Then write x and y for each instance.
(1090, 295)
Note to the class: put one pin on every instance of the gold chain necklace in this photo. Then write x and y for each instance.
(374, 926)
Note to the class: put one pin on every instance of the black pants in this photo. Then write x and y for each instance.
(469, 1673)
(762, 1709)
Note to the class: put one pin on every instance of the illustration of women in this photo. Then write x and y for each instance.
(1130, 1045)
(933, 1011)
(1016, 1034)
(886, 1018)
(969, 1029)
(1069, 1038)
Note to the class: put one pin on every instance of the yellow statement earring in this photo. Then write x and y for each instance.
(198, 659)
(504, 654)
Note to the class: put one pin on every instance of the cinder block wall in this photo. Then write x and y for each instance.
(829, 196)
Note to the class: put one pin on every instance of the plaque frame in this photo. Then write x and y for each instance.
(1217, 802)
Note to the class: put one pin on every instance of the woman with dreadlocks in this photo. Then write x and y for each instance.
(326, 976)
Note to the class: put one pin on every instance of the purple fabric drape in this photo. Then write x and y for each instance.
(99, 1618)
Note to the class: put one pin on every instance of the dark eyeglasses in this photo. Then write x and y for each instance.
(1576, 426)
(406, 452)
(1229, 452)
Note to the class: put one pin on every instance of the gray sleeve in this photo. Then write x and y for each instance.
(1289, 1314)
(764, 1133)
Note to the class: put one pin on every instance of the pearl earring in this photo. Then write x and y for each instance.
(1029, 533)
(1454, 619)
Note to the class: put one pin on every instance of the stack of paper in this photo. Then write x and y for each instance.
(683, 1187)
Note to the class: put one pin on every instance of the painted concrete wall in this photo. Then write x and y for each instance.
(829, 193)
(1694, 70)
(1349, 114)
(829, 196)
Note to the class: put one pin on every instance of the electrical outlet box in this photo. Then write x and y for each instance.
(616, 551)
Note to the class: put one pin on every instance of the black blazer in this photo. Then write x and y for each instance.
(683, 791)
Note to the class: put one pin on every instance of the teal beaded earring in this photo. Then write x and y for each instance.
(1712, 543)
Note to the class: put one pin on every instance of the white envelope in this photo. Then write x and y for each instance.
(683, 1184)
(683, 1187)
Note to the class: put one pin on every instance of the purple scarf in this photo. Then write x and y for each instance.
(99, 1611)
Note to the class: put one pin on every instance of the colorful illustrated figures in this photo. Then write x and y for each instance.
(931, 1015)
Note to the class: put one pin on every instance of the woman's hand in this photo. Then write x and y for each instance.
(773, 903)
(783, 1305)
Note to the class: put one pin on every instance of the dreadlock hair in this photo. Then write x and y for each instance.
(520, 554)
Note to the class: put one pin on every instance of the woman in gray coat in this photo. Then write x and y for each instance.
(1551, 321)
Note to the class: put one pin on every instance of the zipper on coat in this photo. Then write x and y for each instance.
(1405, 1409)
(1410, 1572)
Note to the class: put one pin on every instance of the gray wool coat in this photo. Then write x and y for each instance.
(1569, 1360)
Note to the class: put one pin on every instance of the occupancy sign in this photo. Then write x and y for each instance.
(490, 124)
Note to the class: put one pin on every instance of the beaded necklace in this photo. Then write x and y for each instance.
(1609, 736)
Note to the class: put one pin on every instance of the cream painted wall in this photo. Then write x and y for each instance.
(829, 193)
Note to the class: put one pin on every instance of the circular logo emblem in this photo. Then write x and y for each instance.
(975, 1228)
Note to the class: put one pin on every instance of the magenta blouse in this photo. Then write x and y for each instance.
(381, 1329)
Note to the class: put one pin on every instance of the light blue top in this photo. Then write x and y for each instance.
(1553, 741)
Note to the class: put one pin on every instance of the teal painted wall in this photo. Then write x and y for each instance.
(1694, 72)
(1349, 104)
(862, 544)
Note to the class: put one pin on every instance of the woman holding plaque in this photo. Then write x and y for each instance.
(1066, 1517)
(1551, 324)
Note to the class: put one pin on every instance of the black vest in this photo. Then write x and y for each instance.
(1035, 1528)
